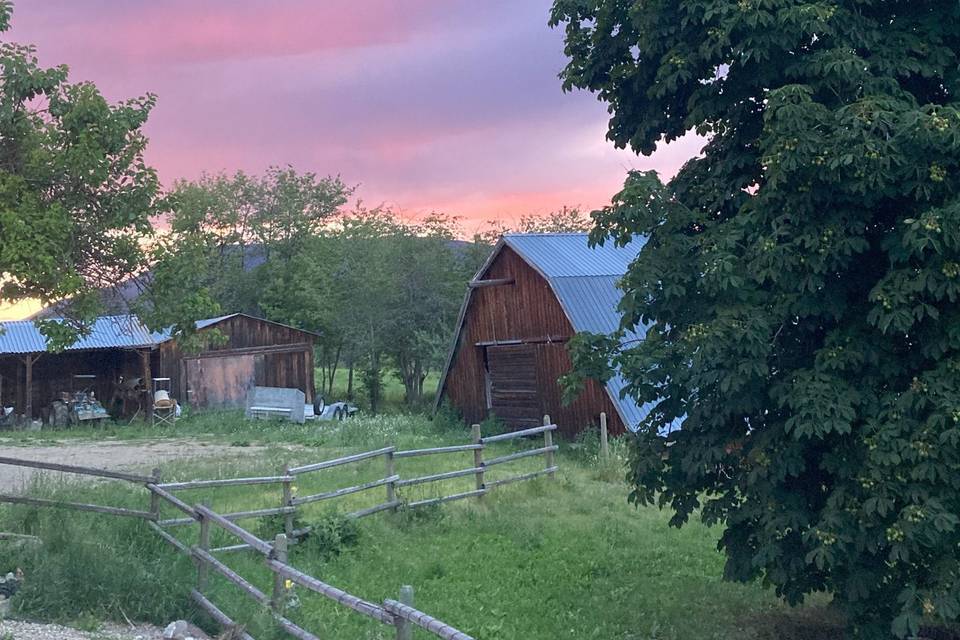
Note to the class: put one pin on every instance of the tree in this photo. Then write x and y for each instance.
(239, 243)
(563, 220)
(800, 284)
(76, 197)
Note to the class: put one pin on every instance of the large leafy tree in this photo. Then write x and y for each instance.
(801, 283)
(75, 194)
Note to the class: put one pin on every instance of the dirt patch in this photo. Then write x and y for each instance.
(121, 455)
(32, 631)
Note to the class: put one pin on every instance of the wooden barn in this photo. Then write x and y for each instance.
(256, 352)
(119, 348)
(533, 293)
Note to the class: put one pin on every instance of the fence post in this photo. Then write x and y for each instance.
(154, 498)
(287, 502)
(391, 486)
(280, 555)
(604, 443)
(478, 455)
(548, 442)
(404, 628)
(203, 570)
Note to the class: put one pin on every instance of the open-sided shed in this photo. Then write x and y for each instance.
(254, 352)
(533, 293)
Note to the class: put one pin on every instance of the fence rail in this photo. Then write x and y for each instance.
(400, 614)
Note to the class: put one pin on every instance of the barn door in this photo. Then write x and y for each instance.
(512, 384)
(221, 381)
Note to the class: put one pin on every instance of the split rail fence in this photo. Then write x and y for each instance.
(399, 614)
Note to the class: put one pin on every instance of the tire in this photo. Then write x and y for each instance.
(338, 415)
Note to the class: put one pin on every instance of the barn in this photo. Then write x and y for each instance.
(533, 293)
(119, 348)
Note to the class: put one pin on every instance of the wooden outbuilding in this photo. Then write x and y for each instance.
(255, 352)
(252, 351)
(532, 295)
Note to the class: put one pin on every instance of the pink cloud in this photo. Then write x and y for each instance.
(449, 105)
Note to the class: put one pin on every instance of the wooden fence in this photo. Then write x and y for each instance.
(400, 614)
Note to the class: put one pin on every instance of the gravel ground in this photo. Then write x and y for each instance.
(132, 455)
(15, 630)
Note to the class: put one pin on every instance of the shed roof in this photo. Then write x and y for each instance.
(106, 332)
(585, 280)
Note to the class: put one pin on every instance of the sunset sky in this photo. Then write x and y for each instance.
(427, 105)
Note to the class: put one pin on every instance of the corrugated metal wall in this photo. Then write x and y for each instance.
(525, 311)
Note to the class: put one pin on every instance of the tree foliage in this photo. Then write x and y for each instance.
(800, 283)
(76, 197)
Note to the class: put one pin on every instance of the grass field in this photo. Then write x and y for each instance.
(393, 395)
(565, 558)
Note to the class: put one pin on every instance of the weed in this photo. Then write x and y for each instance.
(330, 536)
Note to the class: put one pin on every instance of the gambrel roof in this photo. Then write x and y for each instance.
(585, 281)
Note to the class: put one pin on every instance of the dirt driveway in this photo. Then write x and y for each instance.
(140, 456)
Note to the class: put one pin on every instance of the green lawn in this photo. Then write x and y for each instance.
(563, 558)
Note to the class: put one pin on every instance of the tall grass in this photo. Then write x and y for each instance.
(564, 558)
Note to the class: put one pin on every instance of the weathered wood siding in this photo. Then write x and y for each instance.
(281, 357)
(526, 311)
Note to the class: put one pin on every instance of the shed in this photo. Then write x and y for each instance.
(255, 352)
(533, 293)
(117, 347)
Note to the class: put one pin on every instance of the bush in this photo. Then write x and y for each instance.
(330, 536)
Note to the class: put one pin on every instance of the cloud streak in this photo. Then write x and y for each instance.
(443, 105)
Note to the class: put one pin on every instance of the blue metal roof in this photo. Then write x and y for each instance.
(586, 281)
(107, 332)
(560, 255)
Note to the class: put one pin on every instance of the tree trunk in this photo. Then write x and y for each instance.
(334, 365)
(350, 380)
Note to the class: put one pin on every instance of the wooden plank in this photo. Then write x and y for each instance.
(76, 506)
(492, 282)
(521, 454)
(236, 515)
(279, 588)
(426, 452)
(246, 351)
(340, 461)
(182, 548)
(525, 476)
(206, 558)
(440, 476)
(519, 434)
(340, 596)
(422, 620)
(254, 542)
(222, 619)
(174, 500)
(362, 513)
(346, 491)
(548, 446)
(83, 471)
(226, 482)
(230, 548)
(457, 496)
(296, 631)
(478, 455)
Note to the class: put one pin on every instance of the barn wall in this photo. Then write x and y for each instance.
(284, 355)
(527, 311)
